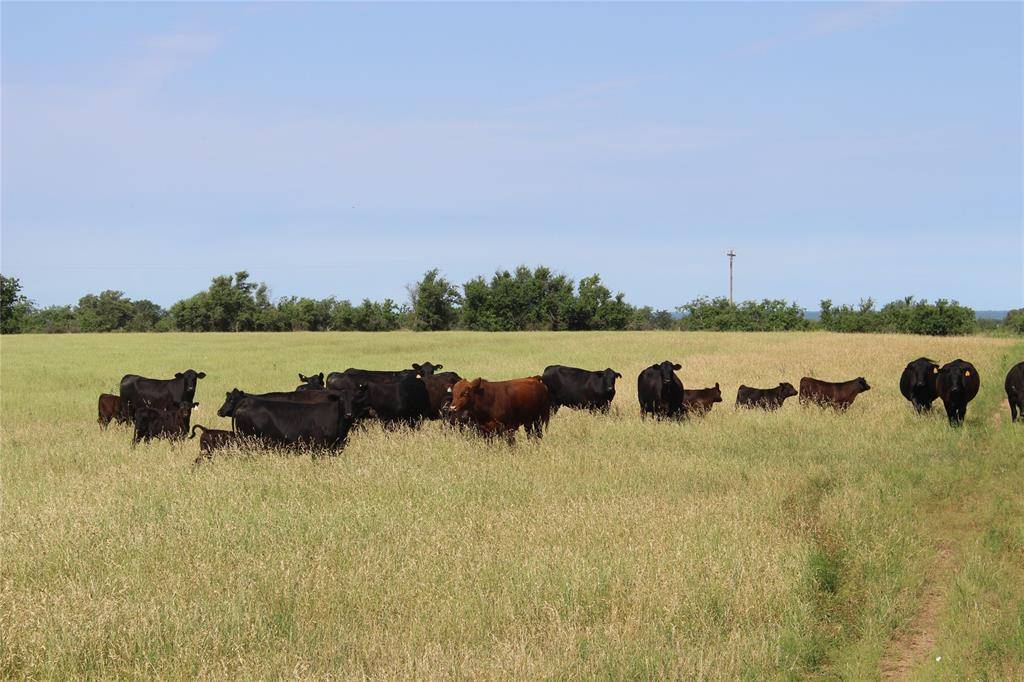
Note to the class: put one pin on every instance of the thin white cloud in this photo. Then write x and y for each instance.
(823, 24)
(190, 44)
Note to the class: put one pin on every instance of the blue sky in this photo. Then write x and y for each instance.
(844, 150)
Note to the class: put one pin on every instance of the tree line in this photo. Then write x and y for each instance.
(521, 300)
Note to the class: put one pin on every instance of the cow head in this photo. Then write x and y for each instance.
(355, 401)
(191, 378)
(786, 390)
(464, 395)
(922, 373)
(862, 384)
(957, 375)
(233, 397)
(426, 369)
(716, 393)
(665, 369)
(608, 378)
(315, 381)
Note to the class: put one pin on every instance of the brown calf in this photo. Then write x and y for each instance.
(111, 407)
(213, 439)
(699, 402)
(839, 395)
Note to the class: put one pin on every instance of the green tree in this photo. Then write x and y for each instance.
(15, 308)
(434, 302)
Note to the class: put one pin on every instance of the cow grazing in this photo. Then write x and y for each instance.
(660, 391)
(764, 398)
(311, 383)
(213, 439)
(110, 407)
(499, 408)
(291, 424)
(136, 390)
(839, 394)
(439, 392)
(162, 420)
(958, 382)
(918, 385)
(700, 401)
(405, 401)
(1014, 386)
(580, 388)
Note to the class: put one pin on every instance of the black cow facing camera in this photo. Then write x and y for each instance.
(958, 383)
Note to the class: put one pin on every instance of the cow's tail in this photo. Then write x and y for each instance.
(197, 426)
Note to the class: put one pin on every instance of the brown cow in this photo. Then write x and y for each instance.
(111, 407)
(699, 402)
(839, 395)
(501, 407)
(213, 439)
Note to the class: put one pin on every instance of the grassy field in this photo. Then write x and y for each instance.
(743, 545)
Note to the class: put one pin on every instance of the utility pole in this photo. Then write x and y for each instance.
(731, 253)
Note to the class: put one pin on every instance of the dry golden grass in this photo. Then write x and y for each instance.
(743, 544)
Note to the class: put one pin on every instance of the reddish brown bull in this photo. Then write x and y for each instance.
(501, 407)
(839, 395)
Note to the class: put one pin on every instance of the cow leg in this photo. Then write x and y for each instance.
(951, 414)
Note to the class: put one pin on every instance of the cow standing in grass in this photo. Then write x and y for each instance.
(1014, 386)
(499, 408)
(838, 395)
(958, 383)
(660, 391)
(769, 399)
(918, 385)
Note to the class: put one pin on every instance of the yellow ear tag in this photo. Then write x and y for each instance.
(967, 373)
(935, 370)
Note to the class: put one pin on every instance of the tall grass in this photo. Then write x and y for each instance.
(743, 544)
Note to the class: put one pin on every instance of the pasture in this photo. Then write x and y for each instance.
(743, 544)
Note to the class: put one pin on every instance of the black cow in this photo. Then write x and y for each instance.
(383, 376)
(958, 382)
(281, 422)
(764, 398)
(353, 402)
(580, 388)
(162, 420)
(137, 390)
(405, 401)
(660, 391)
(439, 391)
(917, 383)
(311, 383)
(1014, 386)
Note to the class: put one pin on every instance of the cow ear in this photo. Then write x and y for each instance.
(677, 366)
(437, 367)
(177, 375)
(321, 375)
(416, 366)
(301, 378)
(716, 385)
(201, 375)
(195, 404)
(618, 376)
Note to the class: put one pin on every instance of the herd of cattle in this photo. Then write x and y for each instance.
(320, 412)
